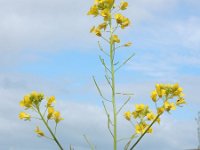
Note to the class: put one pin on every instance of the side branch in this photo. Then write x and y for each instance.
(101, 49)
(104, 64)
(109, 120)
(129, 98)
(129, 58)
(92, 147)
(129, 142)
(107, 79)
(100, 93)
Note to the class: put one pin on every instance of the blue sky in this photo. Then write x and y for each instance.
(46, 46)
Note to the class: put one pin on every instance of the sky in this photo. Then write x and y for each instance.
(45, 46)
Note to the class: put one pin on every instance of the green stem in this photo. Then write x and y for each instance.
(92, 147)
(114, 107)
(145, 132)
(113, 87)
(46, 124)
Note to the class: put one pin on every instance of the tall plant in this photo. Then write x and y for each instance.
(113, 20)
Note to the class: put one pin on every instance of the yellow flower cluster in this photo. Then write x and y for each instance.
(33, 102)
(105, 9)
(142, 114)
(101, 7)
(122, 21)
(168, 92)
(52, 114)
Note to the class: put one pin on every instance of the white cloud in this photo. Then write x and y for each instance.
(31, 26)
(169, 48)
(80, 119)
(189, 33)
(55, 25)
(143, 10)
(43, 25)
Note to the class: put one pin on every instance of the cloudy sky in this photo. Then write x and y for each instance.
(45, 46)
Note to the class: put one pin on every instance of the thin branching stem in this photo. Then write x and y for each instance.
(129, 58)
(71, 148)
(55, 129)
(100, 93)
(45, 111)
(36, 118)
(125, 94)
(109, 121)
(104, 64)
(129, 142)
(108, 80)
(47, 126)
(101, 49)
(129, 98)
(48, 138)
(92, 147)
(105, 39)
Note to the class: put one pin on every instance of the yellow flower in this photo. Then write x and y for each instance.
(150, 130)
(96, 31)
(141, 128)
(178, 91)
(169, 106)
(99, 1)
(26, 102)
(50, 101)
(139, 107)
(158, 90)
(110, 2)
(103, 26)
(115, 39)
(180, 101)
(151, 116)
(163, 92)
(36, 97)
(123, 21)
(128, 44)
(104, 1)
(154, 96)
(106, 14)
(175, 86)
(127, 115)
(135, 114)
(123, 5)
(25, 116)
(92, 29)
(181, 95)
(102, 4)
(160, 110)
(158, 120)
(39, 132)
(50, 112)
(119, 18)
(57, 117)
(126, 22)
(33, 99)
(93, 11)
